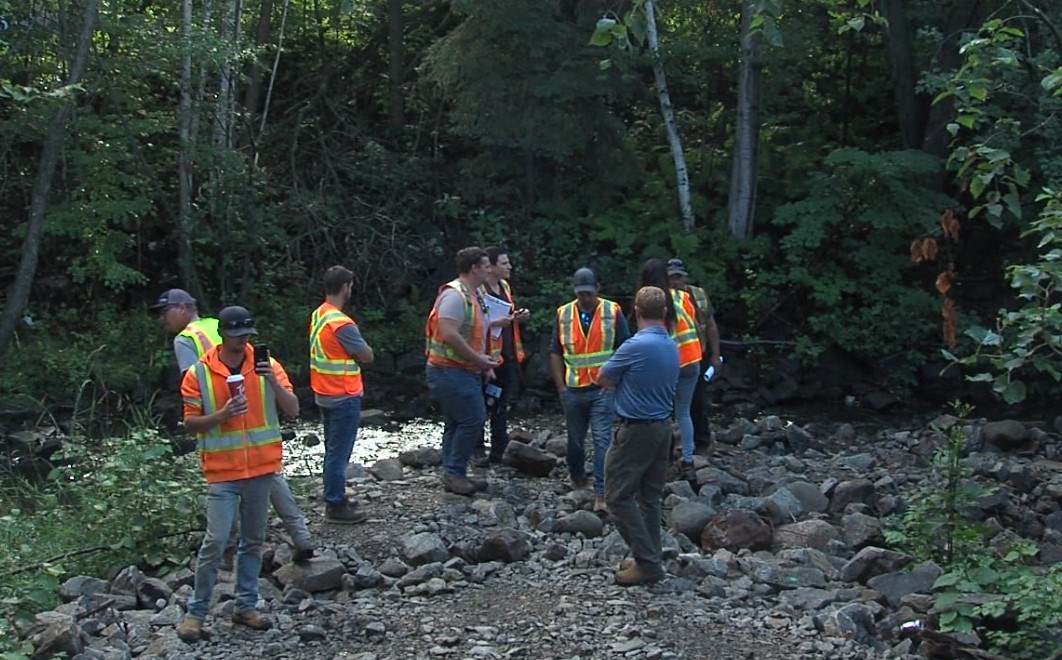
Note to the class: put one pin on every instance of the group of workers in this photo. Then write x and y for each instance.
(623, 389)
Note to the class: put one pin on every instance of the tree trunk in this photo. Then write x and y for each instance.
(185, 251)
(910, 109)
(964, 14)
(395, 67)
(741, 207)
(682, 175)
(53, 144)
(256, 73)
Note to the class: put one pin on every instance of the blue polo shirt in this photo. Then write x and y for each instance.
(646, 370)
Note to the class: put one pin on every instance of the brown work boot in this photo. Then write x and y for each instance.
(633, 575)
(599, 505)
(480, 483)
(344, 513)
(459, 485)
(252, 619)
(190, 629)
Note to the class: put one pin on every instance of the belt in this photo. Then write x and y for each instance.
(628, 420)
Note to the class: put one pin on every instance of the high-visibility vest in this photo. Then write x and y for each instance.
(585, 353)
(701, 298)
(518, 342)
(244, 446)
(333, 372)
(203, 333)
(685, 333)
(439, 352)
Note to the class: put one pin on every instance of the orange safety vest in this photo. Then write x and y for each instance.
(333, 372)
(685, 333)
(241, 447)
(518, 342)
(584, 354)
(203, 333)
(439, 352)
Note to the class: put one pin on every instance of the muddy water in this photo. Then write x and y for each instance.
(373, 443)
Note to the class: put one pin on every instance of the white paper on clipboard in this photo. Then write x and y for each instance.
(495, 310)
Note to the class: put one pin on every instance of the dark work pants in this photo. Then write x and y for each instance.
(635, 473)
(507, 376)
(702, 432)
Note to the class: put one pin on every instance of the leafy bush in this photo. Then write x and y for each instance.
(841, 266)
(124, 500)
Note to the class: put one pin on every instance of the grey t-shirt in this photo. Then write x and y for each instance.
(451, 307)
(350, 337)
(184, 349)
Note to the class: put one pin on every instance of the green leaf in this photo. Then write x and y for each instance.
(856, 23)
(1014, 392)
(977, 186)
(979, 93)
(603, 32)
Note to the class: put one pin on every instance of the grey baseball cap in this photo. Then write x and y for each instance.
(584, 280)
(236, 321)
(676, 267)
(174, 297)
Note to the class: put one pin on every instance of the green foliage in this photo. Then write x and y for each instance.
(1017, 608)
(1027, 340)
(124, 500)
(841, 263)
(938, 524)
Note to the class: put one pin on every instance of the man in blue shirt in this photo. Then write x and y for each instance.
(644, 372)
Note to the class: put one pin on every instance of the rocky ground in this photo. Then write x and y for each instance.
(774, 550)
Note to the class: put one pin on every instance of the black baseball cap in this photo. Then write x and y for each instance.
(584, 281)
(676, 267)
(236, 321)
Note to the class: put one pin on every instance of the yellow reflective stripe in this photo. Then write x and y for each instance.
(239, 439)
(576, 361)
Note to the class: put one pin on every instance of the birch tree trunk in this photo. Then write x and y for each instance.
(18, 297)
(185, 254)
(674, 140)
(741, 206)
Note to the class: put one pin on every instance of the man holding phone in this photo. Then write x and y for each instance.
(241, 449)
(178, 313)
(337, 351)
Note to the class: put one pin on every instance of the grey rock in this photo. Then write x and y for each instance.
(798, 439)
(726, 482)
(711, 495)
(387, 469)
(420, 575)
(712, 587)
(169, 616)
(315, 575)
(859, 462)
(393, 567)
(736, 529)
(127, 581)
(811, 498)
(815, 534)
(82, 585)
(58, 633)
(872, 561)
(505, 544)
(529, 460)
(750, 442)
(580, 522)
(152, 590)
(853, 621)
(690, 518)
(421, 457)
(1006, 434)
(806, 598)
(366, 577)
(894, 586)
(861, 530)
(681, 488)
(696, 566)
(494, 512)
(558, 445)
(859, 491)
(424, 548)
(613, 547)
(782, 506)
(312, 633)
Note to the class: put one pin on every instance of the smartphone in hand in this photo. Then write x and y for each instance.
(261, 355)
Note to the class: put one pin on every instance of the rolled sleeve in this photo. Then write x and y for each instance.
(191, 396)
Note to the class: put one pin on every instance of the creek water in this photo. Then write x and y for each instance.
(303, 456)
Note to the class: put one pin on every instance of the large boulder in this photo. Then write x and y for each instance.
(815, 534)
(315, 575)
(529, 460)
(424, 548)
(421, 457)
(872, 561)
(387, 469)
(811, 498)
(504, 544)
(1006, 434)
(726, 482)
(736, 529)
(894, 586)
(580, 522)
(855, 491)
(690, 518)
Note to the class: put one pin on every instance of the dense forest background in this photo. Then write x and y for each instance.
(892, 157)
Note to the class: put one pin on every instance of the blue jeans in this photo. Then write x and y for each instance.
(460, 395)
(250, 499)
(687, 383)
(340, 430)
(591, 407)
(283, 501)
